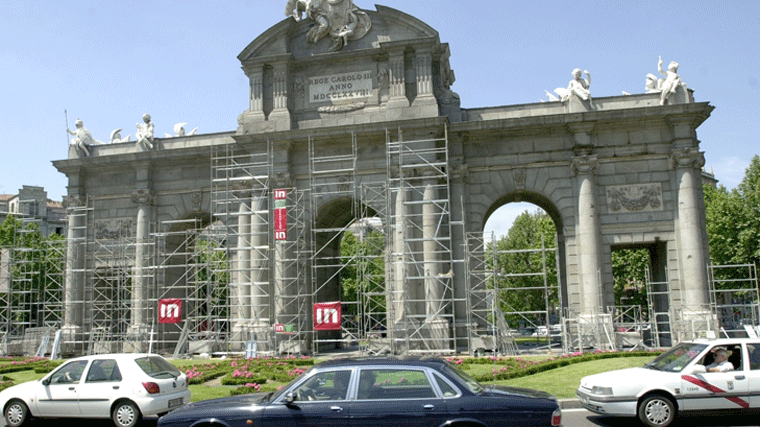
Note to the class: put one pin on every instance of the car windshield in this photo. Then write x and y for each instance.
(471, 382)
(157, 367)
(675, 359)
(287, 386)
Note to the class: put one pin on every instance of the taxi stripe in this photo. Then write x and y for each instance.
(709, 387)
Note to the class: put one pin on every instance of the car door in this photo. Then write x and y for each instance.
(102, 382)
(319, 401)
(402, 396)
(753, 374)
(717, 390)
(59, 393)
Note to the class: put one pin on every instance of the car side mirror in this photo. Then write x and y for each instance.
(698, 369)
(46, 381)
(290, 397)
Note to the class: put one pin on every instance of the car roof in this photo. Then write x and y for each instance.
(724, 341)
(427, 361)
(118, 356)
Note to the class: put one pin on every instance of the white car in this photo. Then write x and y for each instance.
(123, 387)
(679, 381)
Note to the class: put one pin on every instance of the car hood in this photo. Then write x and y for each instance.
(208, 408)
(626, 377)
(502, 390)
(23, 390)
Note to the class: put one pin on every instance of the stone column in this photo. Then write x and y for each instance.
(73, 314)
(400, 291)
(139, 324)
(436, 325)
(260, 310)
(588, 240)
(692, 256)
(243, 265)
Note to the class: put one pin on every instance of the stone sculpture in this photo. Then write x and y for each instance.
(666, 86)
(179, 130)
(578, 87)
(116, 136)
(339, 19)
(82, 138)
(144, 133)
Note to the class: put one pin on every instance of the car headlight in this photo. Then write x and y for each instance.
(601, 391)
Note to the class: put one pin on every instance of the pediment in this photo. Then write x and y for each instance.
(289, 37)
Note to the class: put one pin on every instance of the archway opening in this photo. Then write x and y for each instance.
(526, 258)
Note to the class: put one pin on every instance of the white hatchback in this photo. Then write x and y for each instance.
(679, 380)
(123, 387)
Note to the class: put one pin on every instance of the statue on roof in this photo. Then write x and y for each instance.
(666, 86)
(144, 133)
(83, 139)
(339, 19)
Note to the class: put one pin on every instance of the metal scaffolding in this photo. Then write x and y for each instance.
(422, 265)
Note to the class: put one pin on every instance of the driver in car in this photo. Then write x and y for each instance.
(721, 363)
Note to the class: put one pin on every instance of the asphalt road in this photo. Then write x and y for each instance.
(584, 418)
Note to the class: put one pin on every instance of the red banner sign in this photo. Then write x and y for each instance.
(280, 215)
(169, 310)
(327, 316)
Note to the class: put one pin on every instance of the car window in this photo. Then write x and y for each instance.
(471, 382)
(447, 389)
(332, 385)
(69, 373)
(106, 370)
(157, 367)
(754, 356)
(677, 358)
(392, 384)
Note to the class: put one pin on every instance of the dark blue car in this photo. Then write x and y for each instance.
(409, 392)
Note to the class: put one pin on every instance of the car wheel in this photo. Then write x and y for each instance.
(16, 413)
(657, 411)
(125, 414)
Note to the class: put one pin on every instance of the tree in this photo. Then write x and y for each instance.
(628, 272)
(363, 271)
(733, 221)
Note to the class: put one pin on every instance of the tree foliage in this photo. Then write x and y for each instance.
(363, 263)
(733, 221)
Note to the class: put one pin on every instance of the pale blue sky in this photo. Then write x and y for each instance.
(108, 62)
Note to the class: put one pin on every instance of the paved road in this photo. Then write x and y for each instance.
(584, 418)
(570, 418)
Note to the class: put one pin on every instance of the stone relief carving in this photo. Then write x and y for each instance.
(341, 20)
(144, 133)
(666, 86)
(584, 164)
(114, 228)
(196, 199)
(519, 175)
(635, 198)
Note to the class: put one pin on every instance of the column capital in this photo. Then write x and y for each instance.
(75, 201)
(143, 196)
(687, 158)
(585, 164)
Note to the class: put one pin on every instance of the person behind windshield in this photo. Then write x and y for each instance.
(721, 363)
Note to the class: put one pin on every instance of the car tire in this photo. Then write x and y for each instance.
(657, 411)
(125, 414)
(16, 413)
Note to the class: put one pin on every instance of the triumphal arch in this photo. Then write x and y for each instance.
(232, 241)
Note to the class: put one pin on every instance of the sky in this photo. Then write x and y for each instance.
(109, 62)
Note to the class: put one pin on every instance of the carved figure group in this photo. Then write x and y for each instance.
(179, 130)
(339, 19)
(666, 86)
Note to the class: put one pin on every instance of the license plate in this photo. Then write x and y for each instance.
(175, 402)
